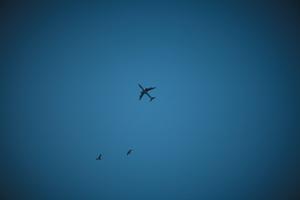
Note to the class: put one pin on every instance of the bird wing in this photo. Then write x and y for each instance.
(99, 157)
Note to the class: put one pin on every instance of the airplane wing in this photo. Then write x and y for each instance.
(151, 88)
(141, 95)
(141, 87)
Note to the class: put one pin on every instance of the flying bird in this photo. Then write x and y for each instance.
(146, 91)
(129, 151)
(99, 157)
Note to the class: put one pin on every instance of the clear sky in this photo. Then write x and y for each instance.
(224, 125)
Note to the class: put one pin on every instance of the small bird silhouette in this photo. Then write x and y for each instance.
(99, 157)
(129, 151)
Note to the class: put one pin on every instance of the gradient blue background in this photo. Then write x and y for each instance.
(225, 124)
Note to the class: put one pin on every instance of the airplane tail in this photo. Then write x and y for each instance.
(152, 98)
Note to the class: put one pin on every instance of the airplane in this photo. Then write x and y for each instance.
(99, 157)
(129, 151)
(145, 91)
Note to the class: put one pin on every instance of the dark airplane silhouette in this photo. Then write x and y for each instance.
(129, 151)
(145, 91)
(99, 157)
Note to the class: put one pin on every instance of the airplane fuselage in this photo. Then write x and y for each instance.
(145, 92)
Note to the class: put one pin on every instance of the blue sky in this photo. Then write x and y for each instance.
(224, 124)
